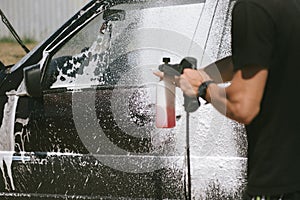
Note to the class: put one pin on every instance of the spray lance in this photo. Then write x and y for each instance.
(165, 106)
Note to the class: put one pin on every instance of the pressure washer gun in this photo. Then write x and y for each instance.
(166, 90)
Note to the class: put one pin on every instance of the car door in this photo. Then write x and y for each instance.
(78, 126)
(87, 65)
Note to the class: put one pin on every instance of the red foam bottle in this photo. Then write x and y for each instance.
(165, 103)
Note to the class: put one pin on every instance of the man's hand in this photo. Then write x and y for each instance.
(190, 81)
(159, 74)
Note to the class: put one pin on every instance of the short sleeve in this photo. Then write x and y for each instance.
(252, 36)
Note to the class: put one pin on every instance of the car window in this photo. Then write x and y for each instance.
(73, 58)
(92, 56)
(126, 45)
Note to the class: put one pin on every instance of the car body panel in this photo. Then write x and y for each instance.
(90, 135)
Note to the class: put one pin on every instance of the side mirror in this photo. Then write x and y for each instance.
(32, 78)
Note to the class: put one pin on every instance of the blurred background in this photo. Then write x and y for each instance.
(34, 21)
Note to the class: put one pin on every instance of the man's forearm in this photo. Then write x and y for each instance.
(220, 71)
(242, 98)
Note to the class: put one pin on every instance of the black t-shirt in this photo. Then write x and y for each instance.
(267, 33)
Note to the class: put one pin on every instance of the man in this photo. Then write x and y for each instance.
(263, 93)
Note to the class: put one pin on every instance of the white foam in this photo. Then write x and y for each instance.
(7, 138)
(23, 138)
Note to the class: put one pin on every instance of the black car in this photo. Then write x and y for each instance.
(78, 111)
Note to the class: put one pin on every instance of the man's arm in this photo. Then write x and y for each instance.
(220, 71)
(240, 101)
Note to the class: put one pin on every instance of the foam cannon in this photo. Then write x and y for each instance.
(166, 92)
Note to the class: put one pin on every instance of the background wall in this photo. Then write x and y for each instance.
(37, 19)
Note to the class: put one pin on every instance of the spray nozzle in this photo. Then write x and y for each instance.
(177, 69)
